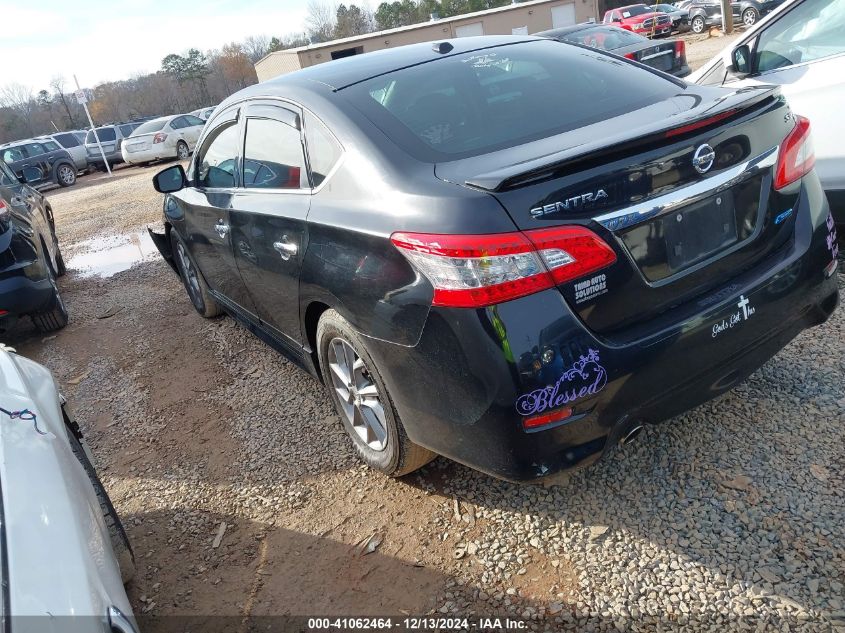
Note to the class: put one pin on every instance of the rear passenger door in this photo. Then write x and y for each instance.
(192, 130)
(38, 157)
(268, 215)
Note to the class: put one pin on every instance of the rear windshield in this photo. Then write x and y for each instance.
(477, 102)
(105, 134)
(637, 9)
(606, 38)
(149, 126)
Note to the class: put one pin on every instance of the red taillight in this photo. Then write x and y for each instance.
(3, 312)
(160, 137)
(473, 271)
(539, 421)
(680, 49)
(630, 56)
(3, 208)
(797, 156)
(699, 124)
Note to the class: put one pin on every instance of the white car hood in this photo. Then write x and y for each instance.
(59, 559)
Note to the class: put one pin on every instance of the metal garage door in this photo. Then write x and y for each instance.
(470, 30)
(563, 15)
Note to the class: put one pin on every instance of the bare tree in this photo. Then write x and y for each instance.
(320, 20)
(256, 47)
(18, 98)
(57, 84)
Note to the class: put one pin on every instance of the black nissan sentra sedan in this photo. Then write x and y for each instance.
(513, 252)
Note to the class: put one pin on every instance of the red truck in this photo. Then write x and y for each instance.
(640, 19)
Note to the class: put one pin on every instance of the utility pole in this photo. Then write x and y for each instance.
(82, 99)
(727, 17)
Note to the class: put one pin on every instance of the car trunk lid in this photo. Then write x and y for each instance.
(678, 231)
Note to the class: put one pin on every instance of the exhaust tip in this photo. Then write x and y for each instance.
(632, 434)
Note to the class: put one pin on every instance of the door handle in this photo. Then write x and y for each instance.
(285, 248)
(221, 228)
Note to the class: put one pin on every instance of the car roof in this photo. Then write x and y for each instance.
(341, 73)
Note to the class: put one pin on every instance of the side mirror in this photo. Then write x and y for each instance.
(741, 61)
(170, 180)
(30, 174)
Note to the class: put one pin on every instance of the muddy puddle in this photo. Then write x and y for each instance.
(106, 256)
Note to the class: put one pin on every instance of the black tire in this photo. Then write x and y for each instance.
(399, 455)
(192, 279)
(750, 17)
(61, 268)
(182, 151)
(697, 25)
(55, 317)
(65, 175)
(117, 534)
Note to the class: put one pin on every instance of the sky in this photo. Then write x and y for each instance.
(102, 40)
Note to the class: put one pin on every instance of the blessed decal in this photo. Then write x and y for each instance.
(745, 312)
(585, 378)
(832, 244)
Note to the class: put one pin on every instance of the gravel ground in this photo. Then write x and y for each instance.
(726, 518)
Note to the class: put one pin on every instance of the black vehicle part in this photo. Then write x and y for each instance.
(395, 454)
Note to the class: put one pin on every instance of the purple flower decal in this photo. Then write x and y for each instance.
(585, 378)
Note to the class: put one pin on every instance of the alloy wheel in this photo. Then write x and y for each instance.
(66, 175)
(182, 151)
(358, 395)
(190, 274)
(749, 17)
(697, 25)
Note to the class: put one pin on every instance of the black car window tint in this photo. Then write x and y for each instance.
(126, 130)
(34, 149)
(219, 157)
(482, 101)
(67, 140)
(273, 157)
(178, 123)
(810, 31)
(7, 178)
(323, 150)
(105, 134)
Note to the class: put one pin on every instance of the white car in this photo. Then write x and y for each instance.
(204, 113)
(801, 47)
(163, 138)
(63, 548)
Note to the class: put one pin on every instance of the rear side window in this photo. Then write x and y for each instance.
(12, 154)
(51, 146)
(273, 157)
(190, 120)
(178, 123)
(492, 99)
(126, 130)
(323, 149)
(67, 140)
(105, 133)
(216, 165)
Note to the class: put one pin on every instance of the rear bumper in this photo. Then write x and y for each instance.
(491, 368)
(683, 71)
(20, 295)
(156, 152)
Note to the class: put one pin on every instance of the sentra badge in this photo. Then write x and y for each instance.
(570, 204)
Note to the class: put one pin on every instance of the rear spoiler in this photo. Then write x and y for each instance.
(613, 147)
